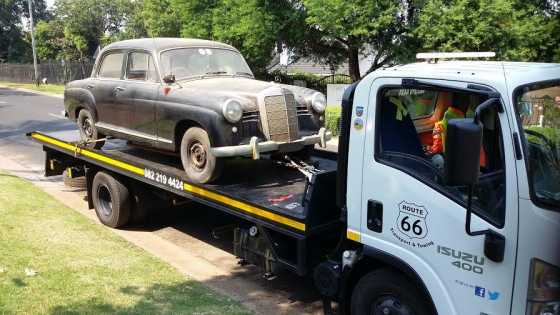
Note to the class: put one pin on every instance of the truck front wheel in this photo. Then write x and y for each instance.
(111, 200)
(199, 164)
(386, 292)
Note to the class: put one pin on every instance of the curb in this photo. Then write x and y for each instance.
(32, 91)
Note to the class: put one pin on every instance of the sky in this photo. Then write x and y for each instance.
(50, 3)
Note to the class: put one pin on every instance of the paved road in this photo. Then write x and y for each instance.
(22, 112)
(189, 228)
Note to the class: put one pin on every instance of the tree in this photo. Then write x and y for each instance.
(518, 31)
(353, 27)
(92, 21)
(160, 18)
(13, 45)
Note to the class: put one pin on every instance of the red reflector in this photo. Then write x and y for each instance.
(166, 90)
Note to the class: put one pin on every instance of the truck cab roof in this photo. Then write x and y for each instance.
(483, 72)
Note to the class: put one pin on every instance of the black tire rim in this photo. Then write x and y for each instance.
(197, 155)
(105, 200)
(389, 305)
(87, 128)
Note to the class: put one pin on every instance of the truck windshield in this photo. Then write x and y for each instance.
(192, 62)
(538, 110)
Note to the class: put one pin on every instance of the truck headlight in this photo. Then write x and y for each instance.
(318, 102)
(232, 111)
(543, 296)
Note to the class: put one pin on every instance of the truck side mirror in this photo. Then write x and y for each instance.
(169, 79)
(462, 152)
(462, 166)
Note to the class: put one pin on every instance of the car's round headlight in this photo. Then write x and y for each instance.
(232, 111)
(319, 102)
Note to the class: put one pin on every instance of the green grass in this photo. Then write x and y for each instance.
(82, 267)
(56, 89)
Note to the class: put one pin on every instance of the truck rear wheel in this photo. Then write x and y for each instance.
(199, 164)
(386, 292)
(111, 200)
(88, 131)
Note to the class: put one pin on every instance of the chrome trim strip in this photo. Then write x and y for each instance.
(131, 132)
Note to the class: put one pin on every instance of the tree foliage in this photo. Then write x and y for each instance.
(331, 32)
(14, 45)
(514, 30)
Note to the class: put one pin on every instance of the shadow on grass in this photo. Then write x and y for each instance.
(182, 298)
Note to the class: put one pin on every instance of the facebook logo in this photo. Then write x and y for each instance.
(479, 291)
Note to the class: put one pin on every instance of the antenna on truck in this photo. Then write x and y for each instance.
(434, 57)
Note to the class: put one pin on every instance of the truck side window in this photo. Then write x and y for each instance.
(411, 137)
(111, 66)
(140, 66)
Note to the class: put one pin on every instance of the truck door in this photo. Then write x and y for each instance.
(423, 220)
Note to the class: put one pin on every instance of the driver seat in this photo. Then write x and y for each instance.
(398, 135)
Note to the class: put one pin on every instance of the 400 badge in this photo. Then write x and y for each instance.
(411, 227)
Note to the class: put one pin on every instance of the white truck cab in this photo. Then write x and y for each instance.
(403, 202)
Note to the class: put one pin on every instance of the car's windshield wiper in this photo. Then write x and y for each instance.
(244, 73)
(215, 72)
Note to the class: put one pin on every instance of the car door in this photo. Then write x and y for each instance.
(107, 86)
(140, 94)
(423, 221)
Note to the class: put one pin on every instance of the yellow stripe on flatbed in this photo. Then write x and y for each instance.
(186, 187)
(244, 207)
(353, 235)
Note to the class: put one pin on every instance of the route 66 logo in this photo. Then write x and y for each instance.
(412, 220)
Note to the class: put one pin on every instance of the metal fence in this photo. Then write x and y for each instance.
(54, 72)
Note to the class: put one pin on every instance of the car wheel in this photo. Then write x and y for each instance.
(88, 131)
(387, 292)
(111, 200)
(199, 164)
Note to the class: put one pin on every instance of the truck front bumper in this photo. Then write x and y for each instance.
(255, 148)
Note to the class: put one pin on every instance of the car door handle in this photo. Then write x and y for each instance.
(118, 89)
(375, 216)
(90, 86)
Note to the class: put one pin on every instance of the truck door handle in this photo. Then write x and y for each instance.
(375, 216)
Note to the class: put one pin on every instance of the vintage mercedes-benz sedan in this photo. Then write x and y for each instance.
(194, 97)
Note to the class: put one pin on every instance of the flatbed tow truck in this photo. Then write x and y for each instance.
(381, 228)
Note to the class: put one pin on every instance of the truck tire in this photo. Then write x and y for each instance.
(88, 131)
(111, 200)
(199, 164)
(74, 182)
(388, 292)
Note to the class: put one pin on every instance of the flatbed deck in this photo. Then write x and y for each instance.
(262, 191)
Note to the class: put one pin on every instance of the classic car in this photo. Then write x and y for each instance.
(194, 97)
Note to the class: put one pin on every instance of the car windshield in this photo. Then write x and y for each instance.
(192, 62)
(538, 110)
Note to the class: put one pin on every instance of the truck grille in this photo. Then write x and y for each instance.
(281, 118)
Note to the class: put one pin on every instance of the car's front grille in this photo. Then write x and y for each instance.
(302, 110)
(281, 118)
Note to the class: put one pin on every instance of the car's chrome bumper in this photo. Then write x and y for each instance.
(255, 148)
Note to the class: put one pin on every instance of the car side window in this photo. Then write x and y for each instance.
(140, 66)
(420, 152)
(111, 66)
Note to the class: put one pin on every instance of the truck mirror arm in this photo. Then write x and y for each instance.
(494, 243)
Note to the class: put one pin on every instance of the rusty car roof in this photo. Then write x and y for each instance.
(162, 43)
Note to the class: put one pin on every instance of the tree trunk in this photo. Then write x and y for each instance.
(353, 63)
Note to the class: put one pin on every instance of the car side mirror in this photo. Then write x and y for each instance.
(169, 79)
